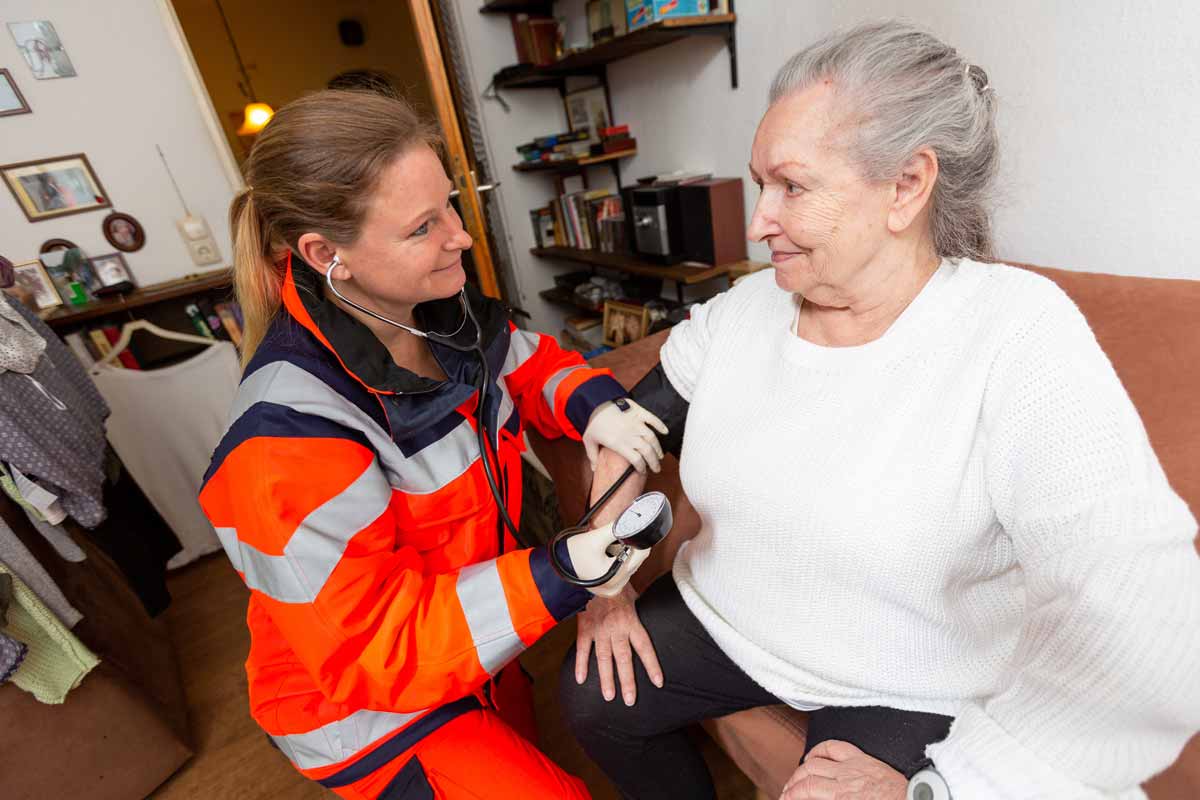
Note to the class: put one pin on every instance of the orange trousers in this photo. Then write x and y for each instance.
(483, 754)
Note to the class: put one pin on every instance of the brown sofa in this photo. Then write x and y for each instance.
(124, 729)
(1150, 329)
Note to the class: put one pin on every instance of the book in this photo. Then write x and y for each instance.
(103, 346)
(229, 323)
(126, 356)
(198, 320)
(213, 319)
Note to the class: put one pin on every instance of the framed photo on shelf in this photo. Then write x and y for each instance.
(588, 108)
(33, 278)
(55, 187)
(624, 322)
(112, 274)
(42, 49)
(12, 102)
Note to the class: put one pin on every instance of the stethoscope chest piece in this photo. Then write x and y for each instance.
(646, 521)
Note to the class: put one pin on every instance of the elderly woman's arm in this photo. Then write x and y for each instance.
(1102, 692)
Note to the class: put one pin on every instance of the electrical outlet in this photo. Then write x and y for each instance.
(193, 228)
(204, 251)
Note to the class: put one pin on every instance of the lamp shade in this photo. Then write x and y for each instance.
(257, 117)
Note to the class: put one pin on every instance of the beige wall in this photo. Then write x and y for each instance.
(291, 47)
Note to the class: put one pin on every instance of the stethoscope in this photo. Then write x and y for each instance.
(640, 526)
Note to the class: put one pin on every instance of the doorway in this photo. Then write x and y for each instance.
(274, 51)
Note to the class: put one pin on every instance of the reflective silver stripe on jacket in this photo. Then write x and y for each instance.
(316, 546)
(481, 594)
(521, 347)
(551, 387)
(425, 472)
(336, 741)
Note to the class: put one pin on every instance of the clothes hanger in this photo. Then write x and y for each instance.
(131, 328)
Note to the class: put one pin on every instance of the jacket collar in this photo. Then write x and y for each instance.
(358, 350)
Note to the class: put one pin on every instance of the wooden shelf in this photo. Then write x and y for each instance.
(563, 296)
(648, 38)
(574, 163)
(542, 7)
(67, 316)
(630, 265)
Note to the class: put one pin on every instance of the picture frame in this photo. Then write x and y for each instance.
(588, 108)
(42, 49)
(50, 245)
(33, 277)
(12, 102)
(123, 232)
(624, 323)
(49, 188)
(112, 274)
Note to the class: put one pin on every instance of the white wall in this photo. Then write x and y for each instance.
(131, 92)
(1100, 118)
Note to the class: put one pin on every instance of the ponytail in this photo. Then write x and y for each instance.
(256, 281)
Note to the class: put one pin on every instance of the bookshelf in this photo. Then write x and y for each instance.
(517, 7)
(571, 164)
(681, 274)
(592, 60)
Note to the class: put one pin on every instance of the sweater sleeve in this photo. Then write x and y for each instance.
(683, 353)
(1101, 692)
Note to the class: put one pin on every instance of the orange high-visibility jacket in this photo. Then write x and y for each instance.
(350, 496)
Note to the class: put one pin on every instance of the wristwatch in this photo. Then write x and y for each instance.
(927, 784)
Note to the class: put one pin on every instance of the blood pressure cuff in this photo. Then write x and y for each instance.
(656, 394)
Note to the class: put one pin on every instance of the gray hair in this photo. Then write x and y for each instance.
(907, 90)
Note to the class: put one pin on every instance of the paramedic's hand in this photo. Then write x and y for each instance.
(611, 624)
(630, 433)
(590, 558)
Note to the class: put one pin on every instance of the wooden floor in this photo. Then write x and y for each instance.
(233, 759)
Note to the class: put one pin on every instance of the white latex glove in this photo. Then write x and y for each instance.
(629, 433)
(590, 559)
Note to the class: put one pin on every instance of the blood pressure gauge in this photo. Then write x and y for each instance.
(645, 523)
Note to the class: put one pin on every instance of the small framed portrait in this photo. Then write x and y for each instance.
(624, 322)
(112, 274)
(123, 232)
(42, 49)
(588, 108)
(32, 278)
(55, 187)
(12, 102)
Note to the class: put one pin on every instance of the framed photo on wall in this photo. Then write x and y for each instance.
(55, 187)
(12, 102)
(588, 108)
(42, 49)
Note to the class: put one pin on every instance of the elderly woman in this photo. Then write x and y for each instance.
(930, 513)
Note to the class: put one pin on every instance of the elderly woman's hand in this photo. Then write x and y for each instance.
(840, 771)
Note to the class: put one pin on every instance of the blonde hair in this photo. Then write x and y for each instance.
(313, 168)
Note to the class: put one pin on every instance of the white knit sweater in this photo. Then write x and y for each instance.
(963, 517)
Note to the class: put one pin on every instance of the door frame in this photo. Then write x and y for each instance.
(208, 112)
(461, 174)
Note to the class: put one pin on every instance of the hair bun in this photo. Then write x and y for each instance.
(979, 78)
